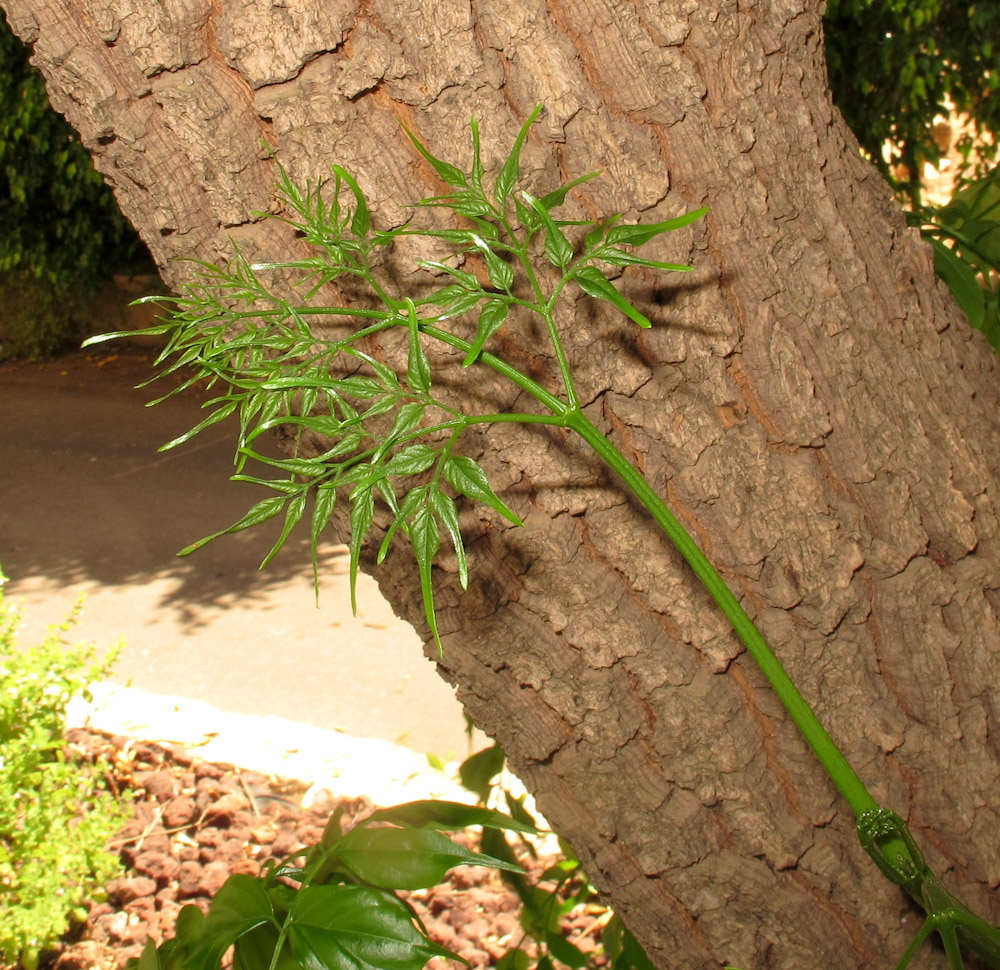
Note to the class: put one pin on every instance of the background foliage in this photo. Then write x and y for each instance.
(62, 232)
(895, 64)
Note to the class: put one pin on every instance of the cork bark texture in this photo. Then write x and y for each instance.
(809, 401)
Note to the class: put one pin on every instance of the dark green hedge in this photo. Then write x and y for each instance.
(58, 220)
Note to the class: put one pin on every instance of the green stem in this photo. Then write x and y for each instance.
(836, 765)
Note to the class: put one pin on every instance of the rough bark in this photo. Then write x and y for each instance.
(810, 402)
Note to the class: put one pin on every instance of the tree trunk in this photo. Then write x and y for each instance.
(810, 402)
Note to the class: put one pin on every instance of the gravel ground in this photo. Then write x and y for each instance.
(196, 822)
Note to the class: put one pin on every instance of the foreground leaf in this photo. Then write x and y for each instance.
(356, 928)
(406, 858)
(435, 814)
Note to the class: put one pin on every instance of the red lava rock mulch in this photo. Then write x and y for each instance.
(195, 823)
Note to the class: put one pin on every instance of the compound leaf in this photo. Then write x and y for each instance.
(361, 222)
(326, 501)
(418, 367)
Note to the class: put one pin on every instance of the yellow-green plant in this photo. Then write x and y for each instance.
(55, 814)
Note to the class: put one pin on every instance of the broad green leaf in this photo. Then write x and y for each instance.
(323, 506)
(515, 806)
(361, 222)
(638, 235)
(406, 858)
(435, 814)
(261, 512)
(448, 173)
(444, 508)
(356, 928)
(514, 960)
(362, 513)
(511, 167)
(412, 460)
(633, 953)
(293, 515)
(468, 479)
(594, 283)
(557, 247)
(477, 772)
(962, 282)
(239, 906)
(491, 319)
(565, 952)
(255, 951)
(418, 368)
(426, 540)
(220, 414)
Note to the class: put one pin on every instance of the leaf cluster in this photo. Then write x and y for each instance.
(336, 905)
(55, 814)
(965, 235)
(387, 436)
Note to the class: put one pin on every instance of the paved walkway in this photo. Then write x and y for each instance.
(88, 506)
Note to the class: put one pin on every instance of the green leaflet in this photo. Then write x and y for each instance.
(362, 513)
(447, 514)
(491, 318)
(512, 166)
(557, 247)
(426, 540)
(418, 368)
(468, 479)
(448, 173)
(261, 512)
(594, 283)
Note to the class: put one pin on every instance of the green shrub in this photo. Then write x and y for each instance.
(55, 816)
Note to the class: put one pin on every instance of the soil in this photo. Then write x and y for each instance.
(196, 822)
